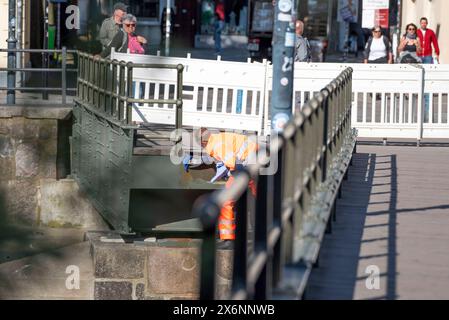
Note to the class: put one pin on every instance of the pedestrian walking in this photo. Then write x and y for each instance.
(126, 39)
(112, 25)
(303, 53)
(378, 48)
(428, 39)
(219, 24)
(410, 47)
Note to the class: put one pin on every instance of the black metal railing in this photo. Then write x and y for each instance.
(108, 86)
(45, 70)
(280, 230)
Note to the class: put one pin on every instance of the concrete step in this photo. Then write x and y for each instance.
(64, 273)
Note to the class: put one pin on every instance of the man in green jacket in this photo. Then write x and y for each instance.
(112, 25)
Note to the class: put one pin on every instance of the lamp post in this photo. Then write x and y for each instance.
(284, 39)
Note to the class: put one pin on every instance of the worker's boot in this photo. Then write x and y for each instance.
(225, 244)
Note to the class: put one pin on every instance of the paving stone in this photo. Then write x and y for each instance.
(113, 290)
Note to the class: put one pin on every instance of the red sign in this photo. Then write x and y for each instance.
(382, 17)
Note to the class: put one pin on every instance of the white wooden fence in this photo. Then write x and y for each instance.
(389, 101)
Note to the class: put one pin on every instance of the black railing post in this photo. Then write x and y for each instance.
(131, 86)
(240, 265)
(208, 213)
(12, 56)
(275, 192)
(324, 162)
(263, 285)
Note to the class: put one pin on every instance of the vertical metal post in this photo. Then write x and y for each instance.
(122, 91)
(263, 285)
(178, 120)
(64, 75)
(130, 93)
(240, 265)
(19, 37)
(283, 54)
(167, 29)
(12, 41)
(44, 54)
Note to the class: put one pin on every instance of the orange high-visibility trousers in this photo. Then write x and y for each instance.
(226, 221)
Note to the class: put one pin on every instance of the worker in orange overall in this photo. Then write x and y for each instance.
(231, 152)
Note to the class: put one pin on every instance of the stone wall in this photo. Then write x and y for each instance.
(33, 163)
(152, 270)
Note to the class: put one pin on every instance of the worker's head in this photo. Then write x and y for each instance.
(119, 12)
(424, 22)
(299, 27)
(129, 23)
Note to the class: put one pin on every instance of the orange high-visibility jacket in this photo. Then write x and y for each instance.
(230, 148)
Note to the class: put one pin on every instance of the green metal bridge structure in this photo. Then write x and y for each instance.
(127, 172)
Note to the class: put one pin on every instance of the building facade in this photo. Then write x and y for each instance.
(193, 21)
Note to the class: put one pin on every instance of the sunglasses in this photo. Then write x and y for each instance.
(411, 29)
(130, 25)
(377, 31)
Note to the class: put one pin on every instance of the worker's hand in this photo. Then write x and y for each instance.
(437, 58)
(365, 61)
(142, 40)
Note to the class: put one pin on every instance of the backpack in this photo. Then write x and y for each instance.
(124, 40)
(308, 51)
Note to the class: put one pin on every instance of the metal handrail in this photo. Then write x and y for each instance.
(11, 88)
(312, 154)
(108, 84)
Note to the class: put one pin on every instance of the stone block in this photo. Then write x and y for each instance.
(4, 126)
(6, 147)
(48, 151)
(27, 160)
(48, 129)
(140, 291)
(63, 205)
(113, 290)
(20, 199)
(16, 128)
(31, 129)
(118, 261)
(7, 169)
(173, 271)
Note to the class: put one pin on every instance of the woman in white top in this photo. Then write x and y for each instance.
(378, 48)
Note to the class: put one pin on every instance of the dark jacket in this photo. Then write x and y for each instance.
(120, 43)
(370, 41)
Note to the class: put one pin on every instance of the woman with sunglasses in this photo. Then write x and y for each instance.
(378, 48)
(127, 39)
(409, 47)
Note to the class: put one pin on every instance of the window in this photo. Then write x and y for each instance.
(144, 8)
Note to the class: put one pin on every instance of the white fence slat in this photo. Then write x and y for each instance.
(399, 87)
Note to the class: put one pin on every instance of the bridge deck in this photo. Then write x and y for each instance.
(394, 214)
